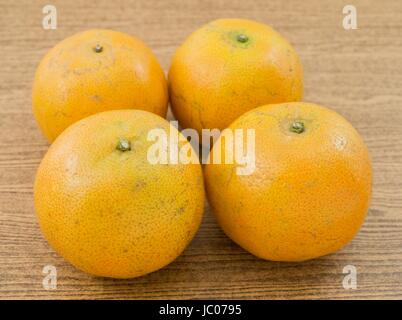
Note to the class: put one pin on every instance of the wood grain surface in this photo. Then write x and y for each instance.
(357, 72)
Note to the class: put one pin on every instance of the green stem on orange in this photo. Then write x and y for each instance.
(98, 48)
(242, 38)
(297, 126)
(123, 145)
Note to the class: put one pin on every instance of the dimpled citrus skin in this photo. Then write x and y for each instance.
(214, 78)
(110, 212)
(310, 191)
(74, 81)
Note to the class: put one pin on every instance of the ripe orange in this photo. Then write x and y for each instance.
(105, 208)
(311, 188)
(94, 71)
(228, 67)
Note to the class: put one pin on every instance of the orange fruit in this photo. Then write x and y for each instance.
(93, 71)
(105, 208)
(228, 67)
(309, 192)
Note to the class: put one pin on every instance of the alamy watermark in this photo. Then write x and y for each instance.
(49, 281)
(49, 21)
(349, 21)
(171, 147)
(350, 279)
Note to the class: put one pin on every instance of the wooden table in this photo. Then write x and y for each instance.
(357, 72)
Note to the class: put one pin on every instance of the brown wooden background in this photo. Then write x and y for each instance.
(357, 72)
